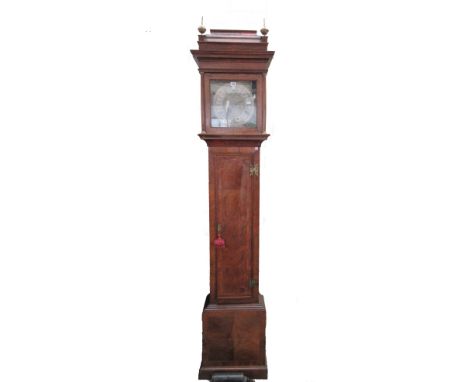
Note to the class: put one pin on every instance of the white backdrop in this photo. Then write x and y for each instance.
(104, 190)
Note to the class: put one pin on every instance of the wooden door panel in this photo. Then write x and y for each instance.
(234, 204)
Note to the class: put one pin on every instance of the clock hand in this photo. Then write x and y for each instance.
(226, 107)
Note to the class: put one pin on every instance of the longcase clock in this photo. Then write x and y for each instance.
(233, 65)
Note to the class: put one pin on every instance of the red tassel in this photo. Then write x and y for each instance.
(219, 242)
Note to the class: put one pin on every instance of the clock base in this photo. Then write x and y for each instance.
(234, 340)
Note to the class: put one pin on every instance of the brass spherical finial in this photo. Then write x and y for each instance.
(201, 28)
(264, 31)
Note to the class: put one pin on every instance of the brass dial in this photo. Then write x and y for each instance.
(233, 104)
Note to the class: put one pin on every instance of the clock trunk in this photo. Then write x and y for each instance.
(234, 195)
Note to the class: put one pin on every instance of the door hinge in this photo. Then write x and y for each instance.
(254, 169)
(253, 283)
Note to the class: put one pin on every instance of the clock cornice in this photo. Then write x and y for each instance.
(228, 51)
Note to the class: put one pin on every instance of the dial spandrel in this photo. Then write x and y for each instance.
(233, 104)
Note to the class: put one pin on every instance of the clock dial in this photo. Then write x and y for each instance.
(233, 104)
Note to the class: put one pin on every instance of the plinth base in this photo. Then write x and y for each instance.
(234, 340)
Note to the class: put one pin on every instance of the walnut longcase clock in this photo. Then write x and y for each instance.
(233, 66)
